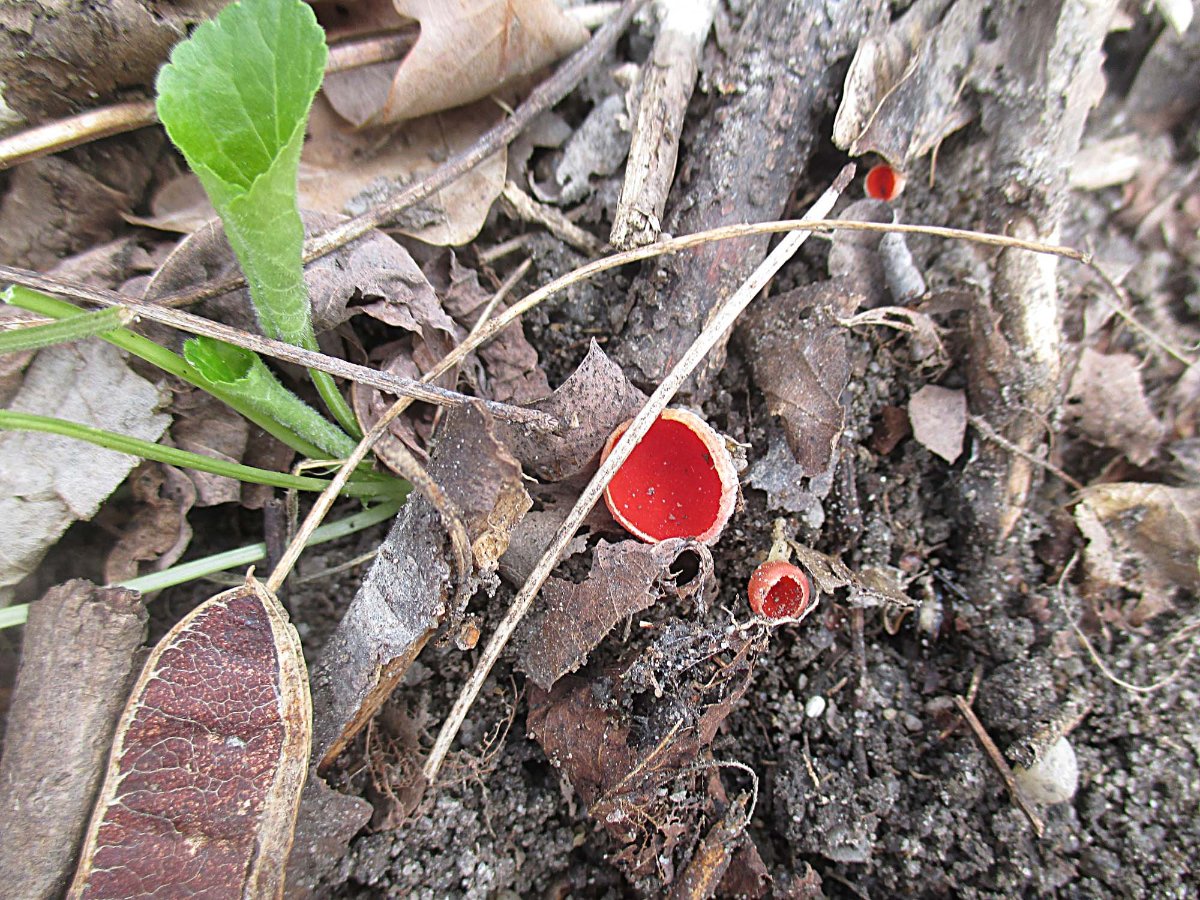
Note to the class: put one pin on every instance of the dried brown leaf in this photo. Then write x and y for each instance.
(626, 578)
(203, 424)
(797, 352)
(939, 420)
(511, 373)
(81, 652)
(407, 593)
(1144, 538)
(591, 403)
(467, 50)
(208, 762)
(904, 91)
(159, 531)
(343, 171)
(1107, 403)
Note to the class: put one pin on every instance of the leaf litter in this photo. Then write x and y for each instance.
(663, 697)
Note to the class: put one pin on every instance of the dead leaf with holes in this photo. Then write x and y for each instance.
(1107, 403)
(208, 761)
(467, 49)
(1141, 538)
(626, 578)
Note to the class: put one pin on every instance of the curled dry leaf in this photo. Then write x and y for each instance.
(511, 372)
(904, 91)
(343, 171)
(939, 420)
(626, 578)
(797, 351)
(81, 652)
(467, 50)
(683, 686)
(47, 482)
(1107, 403)
(159, 531)
(203, 424)
(1144, 538)
(874, 586)
(594, 400)
(208, 762)
(408, 591)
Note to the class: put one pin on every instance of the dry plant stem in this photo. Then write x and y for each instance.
(529, 210)
(54, 137)
(1095, 656)
(459, 538)
(721, 320)
(667, 81)
(194, 324)
(1001, 764)
(991, 434)
(119, 118)
(544, 96)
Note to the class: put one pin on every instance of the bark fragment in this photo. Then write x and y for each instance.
(80, 656)
(749, 154)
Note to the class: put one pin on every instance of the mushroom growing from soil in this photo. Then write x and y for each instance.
(884, 183)
(678, 482)
(779, 590)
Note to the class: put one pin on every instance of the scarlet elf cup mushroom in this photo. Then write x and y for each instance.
(679, 481)
(780, 590)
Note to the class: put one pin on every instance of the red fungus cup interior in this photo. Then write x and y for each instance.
(678, 482)
(883, 182)
(779, 590)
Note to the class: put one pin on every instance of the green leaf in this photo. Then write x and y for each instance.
(234, 99)
(241, 374)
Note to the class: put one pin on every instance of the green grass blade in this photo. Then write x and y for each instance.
(79, 326)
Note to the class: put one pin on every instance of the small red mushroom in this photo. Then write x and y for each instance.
(780, 590)
(884, 183)
(678, 482)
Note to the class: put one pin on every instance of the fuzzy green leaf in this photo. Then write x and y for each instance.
(240, 373)
(234, 99)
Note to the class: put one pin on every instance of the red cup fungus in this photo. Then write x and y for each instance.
(884, 183)
(678, 482)
(780, 590)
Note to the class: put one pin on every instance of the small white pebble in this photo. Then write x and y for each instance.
(1052, 779)
(815, 706)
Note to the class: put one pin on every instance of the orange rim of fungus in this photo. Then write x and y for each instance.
(883, 182)
(780, 590)
(679, 481)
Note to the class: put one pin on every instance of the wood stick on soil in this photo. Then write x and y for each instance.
(668, 78)
(544, 96)
(527, 209)
(312, 359)
(722, 319)
(1001, 764)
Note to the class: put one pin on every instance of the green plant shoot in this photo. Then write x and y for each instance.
(235, 100)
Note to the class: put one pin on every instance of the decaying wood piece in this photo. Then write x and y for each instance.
(80, 655)
(208, 761)
(667, 81)
(411, 587)
(1054, 79)
(748, 155)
